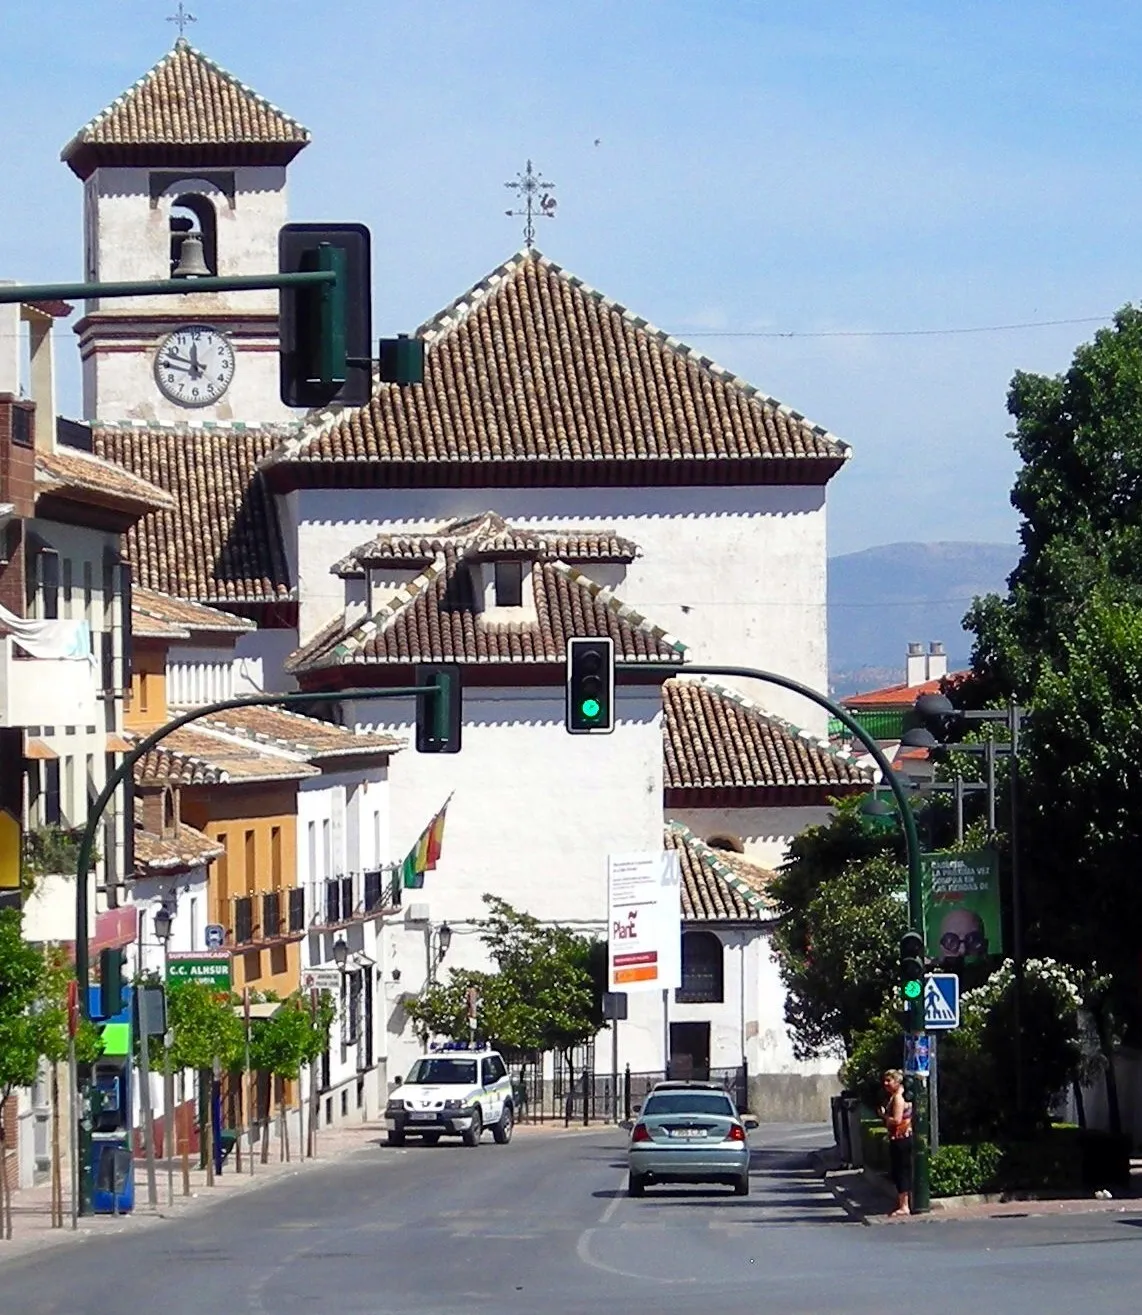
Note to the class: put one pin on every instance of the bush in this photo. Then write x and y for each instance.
(966, 1170)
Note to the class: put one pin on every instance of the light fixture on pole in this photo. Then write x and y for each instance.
(340, 953)
(443, 941)
(163, 922)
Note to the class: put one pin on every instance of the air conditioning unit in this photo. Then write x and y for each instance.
(416, 913)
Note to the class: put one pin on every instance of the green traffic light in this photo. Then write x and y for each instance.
(912, 990)
(590, 708)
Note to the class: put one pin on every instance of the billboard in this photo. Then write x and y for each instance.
(644, 921)
(962, 921)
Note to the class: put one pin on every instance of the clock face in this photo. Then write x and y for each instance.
(194, 365)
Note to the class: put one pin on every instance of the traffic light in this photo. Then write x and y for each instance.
(912, 966)
(112, 982)
(590, 686)
(438, 713)
(325, 330)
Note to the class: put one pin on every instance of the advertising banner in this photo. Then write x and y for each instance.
(961, 906)
(644, 924)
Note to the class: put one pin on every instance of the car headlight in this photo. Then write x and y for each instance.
(394, 1106)
(453, 1104)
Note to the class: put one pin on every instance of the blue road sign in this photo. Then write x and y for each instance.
(215, 936)
(941, 1002)
(917, 1055)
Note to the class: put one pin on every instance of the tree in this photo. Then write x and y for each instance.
(281, 1044)
(545, 992)
(21, 983)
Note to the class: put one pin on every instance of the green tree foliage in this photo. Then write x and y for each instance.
(205, 1028)
(291, 1037)
(840, 896)
(545, 992)
(21, 988)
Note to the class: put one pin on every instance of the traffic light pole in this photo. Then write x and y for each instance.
(10, 294)
(124, 773)
(921, 1123)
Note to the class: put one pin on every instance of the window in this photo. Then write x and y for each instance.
(271, 915)
(443, 1072)
(251, 861)
(170, 815)
(493, 1070)
(703, 977)
(49, 585)
(195, 214)
(326, 848)
(276, 857)
(297, 909)
(51, 801)
(68, 802)
(243, 920)
(67, 587)
(311, 849)
(509, 584)
(374, 889)
(690, 1102)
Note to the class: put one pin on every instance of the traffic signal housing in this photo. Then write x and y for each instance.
(590, 686)
(112, 982)
(438, 711)
(325, 330)
(911, 966)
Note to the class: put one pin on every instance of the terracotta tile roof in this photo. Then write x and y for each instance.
(532, 365)
(488, 535)
(158, 615)
(714, 738)
(714, 887)
(192, 756)
(77, 475)
(436, 618)
(219, 540)
(186, 848)
(186, 100)
(899, 696)
(307, 737)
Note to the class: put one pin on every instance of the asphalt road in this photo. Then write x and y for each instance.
(543, 1225)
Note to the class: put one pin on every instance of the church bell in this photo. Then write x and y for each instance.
(191, 261)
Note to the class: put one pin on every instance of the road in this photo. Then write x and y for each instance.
(543, 1225)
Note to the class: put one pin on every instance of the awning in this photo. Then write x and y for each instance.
(117, 744)
(38, 751)
(265, 1009)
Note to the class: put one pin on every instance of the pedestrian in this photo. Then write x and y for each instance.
(896, 1113)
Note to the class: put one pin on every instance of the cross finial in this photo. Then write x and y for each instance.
(183, 19)
(535, 191)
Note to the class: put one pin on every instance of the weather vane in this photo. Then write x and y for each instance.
(535, 191)
(182, 18)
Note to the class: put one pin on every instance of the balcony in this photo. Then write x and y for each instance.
(52, 690)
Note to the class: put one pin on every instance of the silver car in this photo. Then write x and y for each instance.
(689, 1133)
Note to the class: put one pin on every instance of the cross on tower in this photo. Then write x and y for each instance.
(182, 18)
(535, 191)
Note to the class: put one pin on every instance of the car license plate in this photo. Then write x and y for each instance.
(687, 1132)
(422, 1116)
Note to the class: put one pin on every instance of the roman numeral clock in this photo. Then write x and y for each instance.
(194, 365)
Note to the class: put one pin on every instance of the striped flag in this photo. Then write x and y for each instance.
(425, 853)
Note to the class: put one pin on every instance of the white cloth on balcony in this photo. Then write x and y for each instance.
(49, 639)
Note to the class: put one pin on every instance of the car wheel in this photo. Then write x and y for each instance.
(741, 1186)
(430, 1138)
(394, 1139)
(471, 1136)
(502, 1131)
(636, 1185)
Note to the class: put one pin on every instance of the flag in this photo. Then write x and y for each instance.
(411, 879)
(422, 857)
(436, 834)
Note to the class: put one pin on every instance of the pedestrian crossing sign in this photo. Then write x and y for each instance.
(941, 1002)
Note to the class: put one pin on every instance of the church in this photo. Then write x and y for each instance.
(566, 468)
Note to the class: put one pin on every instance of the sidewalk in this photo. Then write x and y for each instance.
(869, 1197)
(31, 1208)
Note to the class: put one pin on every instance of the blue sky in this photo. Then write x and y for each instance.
(762, 167)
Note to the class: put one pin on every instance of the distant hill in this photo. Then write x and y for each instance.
(882, 598)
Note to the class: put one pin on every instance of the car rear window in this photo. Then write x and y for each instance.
(447, 1072)
(690, 1102)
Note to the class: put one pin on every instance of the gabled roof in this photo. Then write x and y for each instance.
(218, 540)
(487, 535)
(193, 756)
(186, 101)
(715, 738)
(307, 737)
(437, 618)
(156, 615)
(534, 370)
(899, 696)
(75, 476)
(182, 848)
(717, 886)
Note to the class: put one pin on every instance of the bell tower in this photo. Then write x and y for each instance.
(188, 151)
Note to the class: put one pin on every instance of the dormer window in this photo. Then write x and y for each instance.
(509, 584)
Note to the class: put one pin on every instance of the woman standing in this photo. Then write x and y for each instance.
(896, 1113)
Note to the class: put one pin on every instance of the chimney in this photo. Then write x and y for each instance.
(937, 661)
(916, 666)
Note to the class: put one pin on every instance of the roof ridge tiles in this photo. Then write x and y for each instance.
(709, 857)
(607, 596)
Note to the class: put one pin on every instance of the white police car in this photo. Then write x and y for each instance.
(457, 1089)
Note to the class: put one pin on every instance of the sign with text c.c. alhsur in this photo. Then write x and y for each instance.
(644, 925)
(213, 970)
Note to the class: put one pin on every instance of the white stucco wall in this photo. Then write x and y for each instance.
(127, 236)
(765, 833)
(738, 574)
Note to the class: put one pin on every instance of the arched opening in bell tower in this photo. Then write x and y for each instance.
(194, 213)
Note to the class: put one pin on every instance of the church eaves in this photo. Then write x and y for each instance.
(181, 112)
(532, 377)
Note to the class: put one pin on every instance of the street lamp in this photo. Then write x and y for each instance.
(340, 953)
(443, 941)
(162, 922)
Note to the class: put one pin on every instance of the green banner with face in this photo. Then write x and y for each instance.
(962, 921)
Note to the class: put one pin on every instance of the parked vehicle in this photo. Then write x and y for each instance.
(689, 1132)
(457, 1090)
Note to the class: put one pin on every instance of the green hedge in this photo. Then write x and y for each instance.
(1067, 1159)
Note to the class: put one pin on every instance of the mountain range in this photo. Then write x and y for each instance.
(883, 598)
